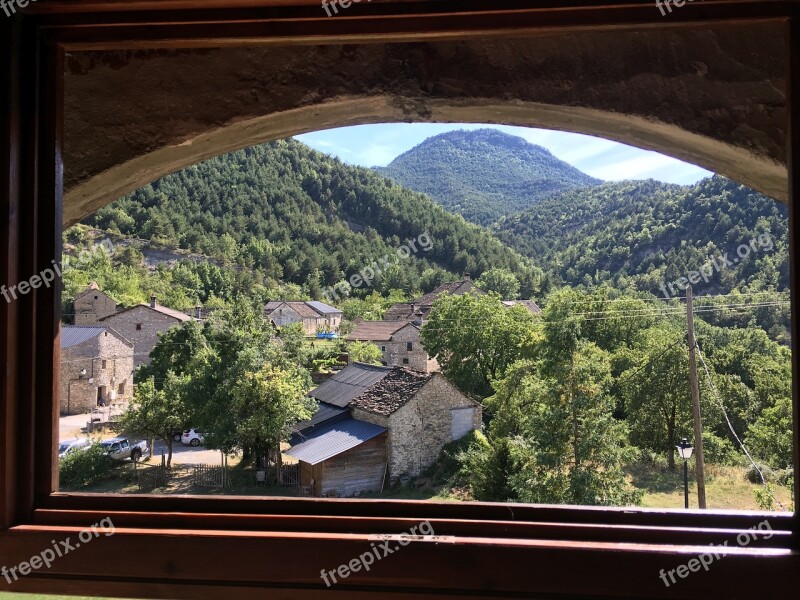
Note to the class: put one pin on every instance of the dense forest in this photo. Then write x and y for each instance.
(484, 174)
(284, 221)
(640, 236)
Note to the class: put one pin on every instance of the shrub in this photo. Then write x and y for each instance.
(720, 451)
(84, 467)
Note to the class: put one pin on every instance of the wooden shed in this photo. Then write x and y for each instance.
(343, 458)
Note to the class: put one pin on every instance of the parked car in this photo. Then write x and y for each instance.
(192, 437)
(120, 448)
(71, 446)
(177, 435)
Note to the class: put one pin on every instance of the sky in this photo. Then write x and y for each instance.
(378, 145)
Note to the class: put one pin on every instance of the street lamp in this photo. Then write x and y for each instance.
(685, 451)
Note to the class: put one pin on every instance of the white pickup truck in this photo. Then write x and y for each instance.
(120, 448)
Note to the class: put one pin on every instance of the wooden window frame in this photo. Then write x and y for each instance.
(227, 546)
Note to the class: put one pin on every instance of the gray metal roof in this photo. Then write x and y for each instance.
(323, 308)
(72, 335)
(349, 383)
(325, 413)
(333, 439)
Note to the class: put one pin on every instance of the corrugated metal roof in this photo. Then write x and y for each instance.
(72, 335)
(349, 383)
(333, 439)
(323, 308)
(324, 415)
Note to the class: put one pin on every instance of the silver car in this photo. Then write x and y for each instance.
(71, 446)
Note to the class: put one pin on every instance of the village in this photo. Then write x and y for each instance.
(373, 427)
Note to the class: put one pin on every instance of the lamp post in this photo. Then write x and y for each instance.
(685, 451)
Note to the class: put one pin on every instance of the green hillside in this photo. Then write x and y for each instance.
(485, 174)
(282, 214)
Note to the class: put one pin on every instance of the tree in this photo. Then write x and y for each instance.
(500, 281)
(770, 437)
(656, 393)
(365, 352)
(475, 339)
(563, 444)
(157, 412)
(173, 353)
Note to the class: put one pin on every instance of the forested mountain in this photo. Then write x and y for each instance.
(638, 234)
(484, 174)
(642, 236)
(281, 213)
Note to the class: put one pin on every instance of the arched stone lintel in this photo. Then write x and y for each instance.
(736, 163)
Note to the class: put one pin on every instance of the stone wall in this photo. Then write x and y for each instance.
(144, 338)
(420, 429)
(91, 306)
(397, 354)
(108, 360)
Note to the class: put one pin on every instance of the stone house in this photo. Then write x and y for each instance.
(314, 316)
(417, 310)
(422, 413)
(96, 368)
(92, 304)
(142, 323)
(369, 414)
(399, 342)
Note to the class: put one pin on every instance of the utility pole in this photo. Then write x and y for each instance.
(698, 425)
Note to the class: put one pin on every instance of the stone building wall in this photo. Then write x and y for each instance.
(93, 305)
(141, 325)
(397, 354)
(420, 429)
(108, 361)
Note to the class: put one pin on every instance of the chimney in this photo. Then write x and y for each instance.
(153, 301)
(197, 312)
(467, 277)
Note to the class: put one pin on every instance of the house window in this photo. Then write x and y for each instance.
(383, 348)
(96, 297)
(103, 365)
(410, 346)
(121, 388)
(405, 361)
(138, 327)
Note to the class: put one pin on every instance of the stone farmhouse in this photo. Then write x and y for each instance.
(315, 316)
(96, 368)
(399, 342)
(417, 310)
(377, 424)
(93, 304)
(142, 323)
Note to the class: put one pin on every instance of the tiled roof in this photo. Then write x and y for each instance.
(324, 309)
(333, 439)
(175, 314)
(301, 308)
(348, 383)
(392, 392)
(375, 331)
(529, 304)
(456, 288)
(73, 335)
